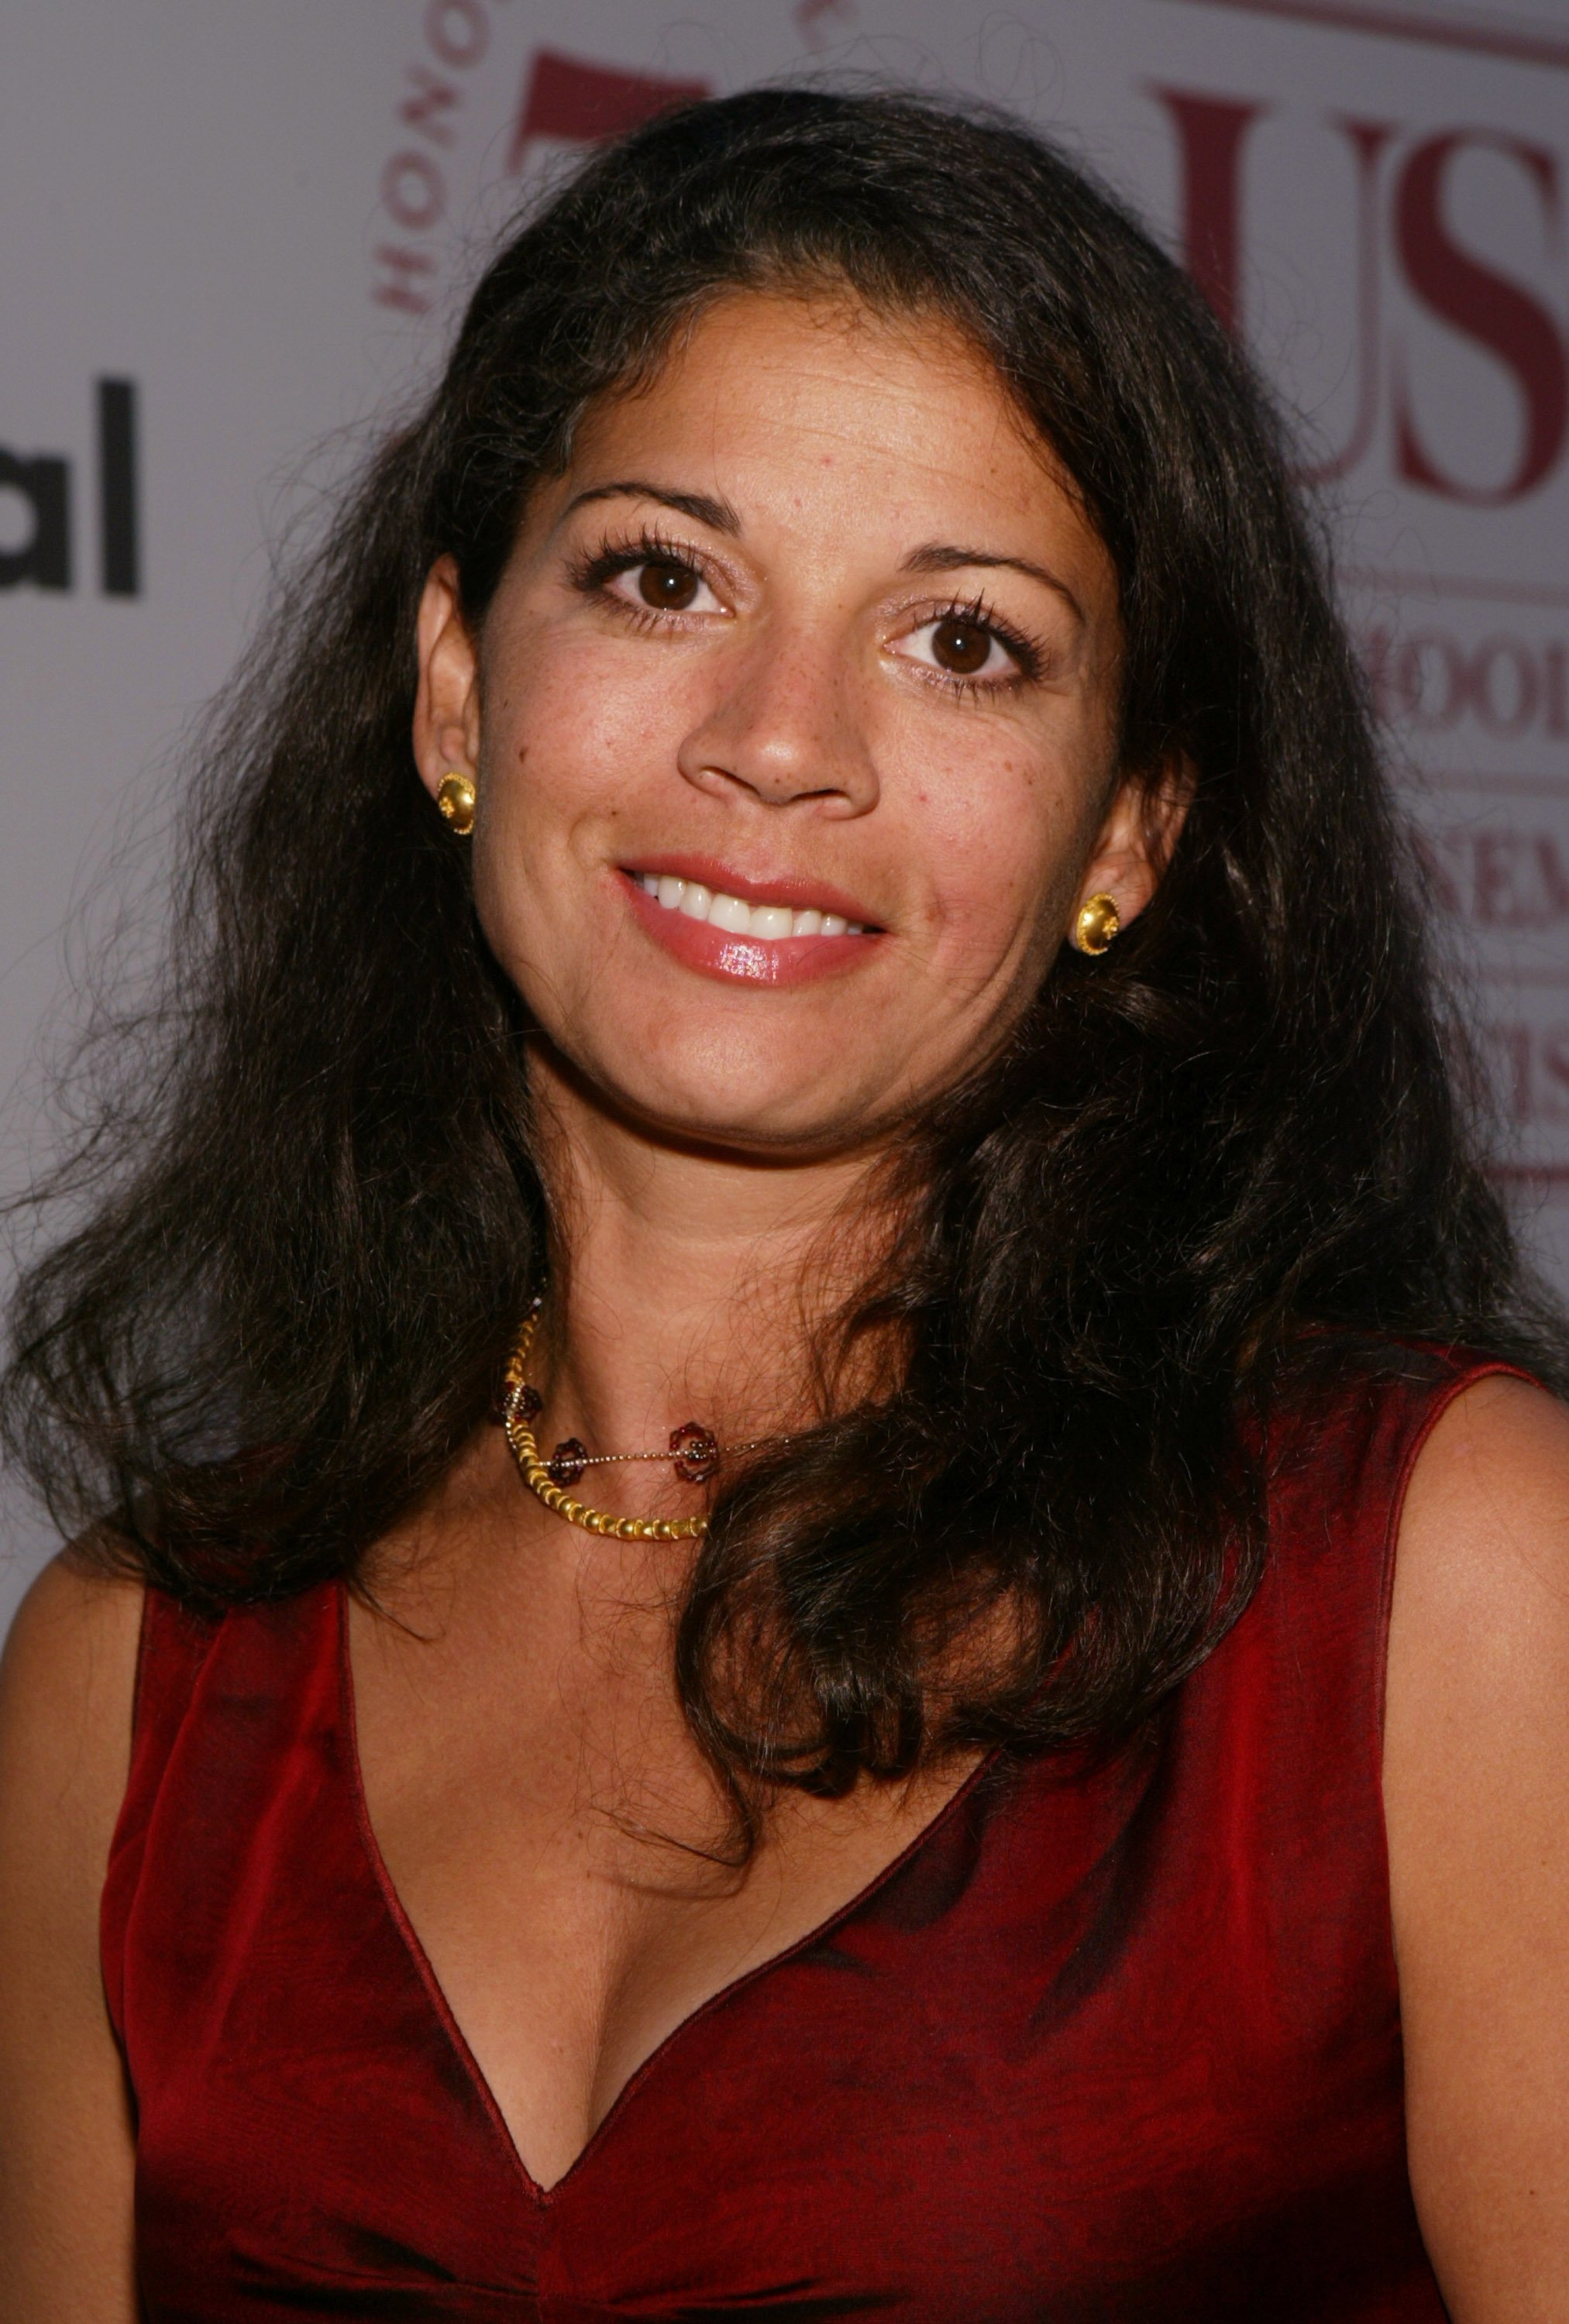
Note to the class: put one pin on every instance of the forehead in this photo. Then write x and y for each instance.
(832, 402)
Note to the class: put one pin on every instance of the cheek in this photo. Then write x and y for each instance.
(574, 729)
(576, 739)
(1002, 835)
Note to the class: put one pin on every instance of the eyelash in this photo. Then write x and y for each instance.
(590, 572)
(978, 611)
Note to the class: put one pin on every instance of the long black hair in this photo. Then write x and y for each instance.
(312, 1219)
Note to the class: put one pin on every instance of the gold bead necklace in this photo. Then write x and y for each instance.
(695, 1453)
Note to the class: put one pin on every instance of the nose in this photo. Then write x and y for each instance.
(783, 728)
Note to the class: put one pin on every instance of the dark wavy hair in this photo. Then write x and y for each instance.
(1229, 1148)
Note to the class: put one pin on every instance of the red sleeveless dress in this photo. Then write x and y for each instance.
(1098, 2048)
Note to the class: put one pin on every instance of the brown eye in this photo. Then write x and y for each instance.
(961, 646)
(669, 587)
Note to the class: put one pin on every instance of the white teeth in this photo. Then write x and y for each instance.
(729, 913)
(770, 921)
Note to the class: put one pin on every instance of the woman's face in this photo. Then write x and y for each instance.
(793, 726)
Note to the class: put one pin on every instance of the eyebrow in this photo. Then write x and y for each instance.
(946, 557)
(933, 557)
(700, 506)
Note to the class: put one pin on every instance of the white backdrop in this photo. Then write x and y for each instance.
(236, 233)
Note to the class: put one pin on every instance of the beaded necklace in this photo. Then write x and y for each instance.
(694, 1452)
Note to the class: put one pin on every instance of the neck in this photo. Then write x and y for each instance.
(686, 1283)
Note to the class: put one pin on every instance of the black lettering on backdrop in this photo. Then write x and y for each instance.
(119, 539)
(42, 484)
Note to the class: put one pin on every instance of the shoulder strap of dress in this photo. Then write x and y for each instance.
(201, 1683)
(1369, 1406)
(175, 1642)
(174, 1646)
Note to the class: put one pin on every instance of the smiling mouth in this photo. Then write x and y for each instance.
(764, 922)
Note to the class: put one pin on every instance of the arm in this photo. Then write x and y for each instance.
(1476, 1788)
(65, 2148)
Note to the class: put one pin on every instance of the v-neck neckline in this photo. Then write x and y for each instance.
(723, 1996)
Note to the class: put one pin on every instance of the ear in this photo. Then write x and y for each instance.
(447, 707)
(1136, 840)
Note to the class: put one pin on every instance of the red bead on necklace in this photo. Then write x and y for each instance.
(694, 1451)
(567, 1462)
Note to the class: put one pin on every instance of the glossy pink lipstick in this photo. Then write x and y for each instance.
(728, 925)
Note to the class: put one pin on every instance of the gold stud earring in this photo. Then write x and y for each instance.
(455, 799)
(1098, 925)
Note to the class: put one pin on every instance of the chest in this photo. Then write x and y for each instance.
(573, 1877)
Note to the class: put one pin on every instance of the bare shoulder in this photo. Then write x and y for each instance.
(1499, 1456)
(1479, 1645)
(1476, 1786)
(68, 1677)
(67, 1680)
(66, 1686)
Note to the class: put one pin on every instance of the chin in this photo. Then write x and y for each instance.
(785, 1129)
(757, 1116)
(785, 1092)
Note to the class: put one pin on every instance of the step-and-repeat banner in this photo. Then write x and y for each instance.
(237, 238)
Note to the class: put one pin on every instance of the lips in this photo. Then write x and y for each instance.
(774, 935)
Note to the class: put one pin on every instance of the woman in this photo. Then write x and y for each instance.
(800, 912)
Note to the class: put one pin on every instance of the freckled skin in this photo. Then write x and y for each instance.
(792, 722)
